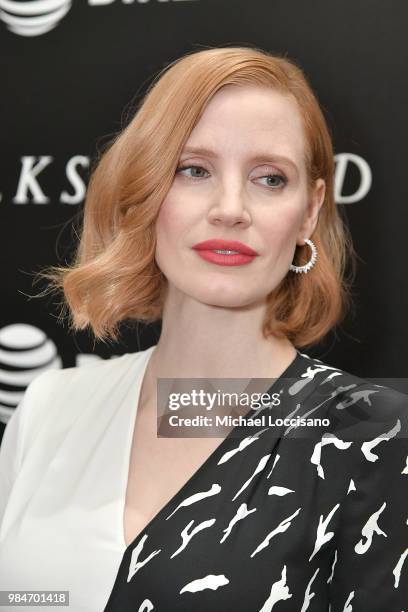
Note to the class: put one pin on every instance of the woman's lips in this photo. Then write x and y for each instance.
(223, 244)
(236, 259)
(237, 253)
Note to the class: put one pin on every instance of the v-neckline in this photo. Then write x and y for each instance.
(289, 371)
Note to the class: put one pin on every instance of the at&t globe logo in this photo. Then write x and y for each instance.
(33, 18)
(25, 352)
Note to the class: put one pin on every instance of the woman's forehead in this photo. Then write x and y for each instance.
(250, 121)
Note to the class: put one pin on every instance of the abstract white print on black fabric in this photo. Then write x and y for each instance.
(293, 521)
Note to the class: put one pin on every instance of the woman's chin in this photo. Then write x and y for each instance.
(227, 300)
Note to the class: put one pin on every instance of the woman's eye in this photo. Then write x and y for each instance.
(277, 180)
(195, 175)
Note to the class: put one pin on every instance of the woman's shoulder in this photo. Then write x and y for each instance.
(358, 405)
(57, 396)
(68, 389)
(100, 370)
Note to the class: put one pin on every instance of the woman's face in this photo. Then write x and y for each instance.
(221, 190)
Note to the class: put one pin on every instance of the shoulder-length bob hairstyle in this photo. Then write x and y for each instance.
(114, 275)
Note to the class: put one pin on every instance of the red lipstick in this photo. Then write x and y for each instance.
(225, 252)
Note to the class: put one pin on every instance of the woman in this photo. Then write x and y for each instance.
(229, 146)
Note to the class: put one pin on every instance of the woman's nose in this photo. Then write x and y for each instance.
(229, 207)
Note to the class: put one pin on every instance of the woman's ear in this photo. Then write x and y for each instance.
(311, 214)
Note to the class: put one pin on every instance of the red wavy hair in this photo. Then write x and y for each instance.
(114, 276)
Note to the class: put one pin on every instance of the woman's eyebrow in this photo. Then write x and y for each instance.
(259, 156)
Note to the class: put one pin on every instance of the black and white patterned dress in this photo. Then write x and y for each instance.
(293, 522)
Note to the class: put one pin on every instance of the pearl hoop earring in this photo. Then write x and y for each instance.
(306, 267)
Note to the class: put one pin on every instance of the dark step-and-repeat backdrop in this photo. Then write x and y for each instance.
(71, 72)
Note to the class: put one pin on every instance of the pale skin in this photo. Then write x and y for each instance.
(211, 325)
